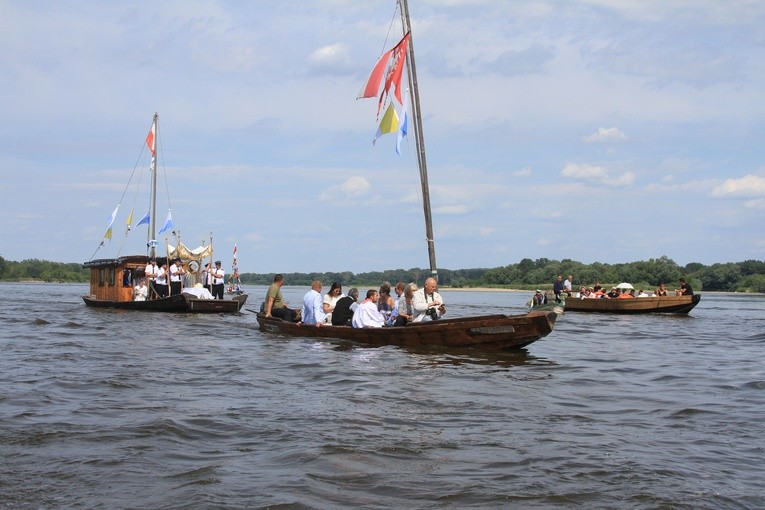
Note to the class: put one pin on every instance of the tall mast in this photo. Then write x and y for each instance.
(152, 232)
(419, 139)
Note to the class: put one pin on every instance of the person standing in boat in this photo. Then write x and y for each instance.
(367, 315)
(275, 305)
(160, 281)
(685, 288)
(176, 277)
(558, 288)
(218, 280)
(207, 278)
(427, 303)
(313, 306)
(567, 283)
(150, 273)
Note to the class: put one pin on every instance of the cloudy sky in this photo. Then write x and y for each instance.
(594, 130)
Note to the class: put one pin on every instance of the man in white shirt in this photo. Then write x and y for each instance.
(151, 273)
(176, 277)
(427, 303)
(218, 275)
(567, 285)
(313, 306)
(367, 315)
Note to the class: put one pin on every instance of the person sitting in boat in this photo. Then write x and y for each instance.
(330, 300)
(613, 293)
(586, 293)
(313, 310)
(662, 290)
(385, 302)
(176, 277)
(140, 291)
(642, 293)
(685, 288)
(597, 287)
(160, 281)
(345, 308)
(274, 304)
(405, 305)
(539, 298)
(626, 294)
(367, 315)
(427, 303)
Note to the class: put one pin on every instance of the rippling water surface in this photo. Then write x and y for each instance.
(109, 409)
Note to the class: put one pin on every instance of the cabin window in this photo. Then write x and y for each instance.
(127, 278)
(101, 277)
(111, 276)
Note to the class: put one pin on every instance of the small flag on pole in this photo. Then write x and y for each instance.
(143, 220)
(168, 222)
(388, 124)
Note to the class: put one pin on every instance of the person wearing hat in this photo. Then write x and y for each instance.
(540, 298)
(345, 307)
(218, 275)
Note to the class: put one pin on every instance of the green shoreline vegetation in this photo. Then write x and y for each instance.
(746, 276)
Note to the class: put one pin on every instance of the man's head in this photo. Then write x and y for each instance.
(430, 285)
(354, 293)
(316, 285)
(372, 295)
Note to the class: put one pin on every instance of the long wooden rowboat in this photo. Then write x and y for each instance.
(664, 304)
(487, 332)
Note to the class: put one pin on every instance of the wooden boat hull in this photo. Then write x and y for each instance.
(180, 303)
(490, 332)
(664, 304)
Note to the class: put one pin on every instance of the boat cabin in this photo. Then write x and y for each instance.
(114, 279)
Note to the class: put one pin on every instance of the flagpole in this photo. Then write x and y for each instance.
(152, 230)
(419, 139)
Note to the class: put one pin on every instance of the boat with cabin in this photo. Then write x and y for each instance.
(485, 332)
(113, 280)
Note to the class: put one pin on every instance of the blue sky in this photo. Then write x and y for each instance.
(595, 130)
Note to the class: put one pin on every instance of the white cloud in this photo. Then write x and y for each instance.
(583, 172)
(330, 59)
(747, 186)
(352, 187)
(605, 135)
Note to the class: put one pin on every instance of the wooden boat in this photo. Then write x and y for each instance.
(486, 332)
(112, 280)
(489, 332)
(663, 304)
(111, 286)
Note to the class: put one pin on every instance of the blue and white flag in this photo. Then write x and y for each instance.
(403, 125)
(168, 222)
(114, 215)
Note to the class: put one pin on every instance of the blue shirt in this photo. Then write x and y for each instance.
(313, 308)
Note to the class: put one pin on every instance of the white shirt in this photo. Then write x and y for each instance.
(141, 291)
(367, 316)
(567, 284)
(161, 278)
(151, 271)
(218, 275)
(174, 276)
(421, 303)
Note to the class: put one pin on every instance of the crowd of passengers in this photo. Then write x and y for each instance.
(379, 308)
(563, 288)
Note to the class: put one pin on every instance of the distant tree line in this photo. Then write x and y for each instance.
(746, 276)
(43, 270)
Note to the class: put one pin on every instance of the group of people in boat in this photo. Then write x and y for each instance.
(378, 309)
(563, 287)
(154, 283)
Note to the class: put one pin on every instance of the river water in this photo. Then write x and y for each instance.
(110, 409)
